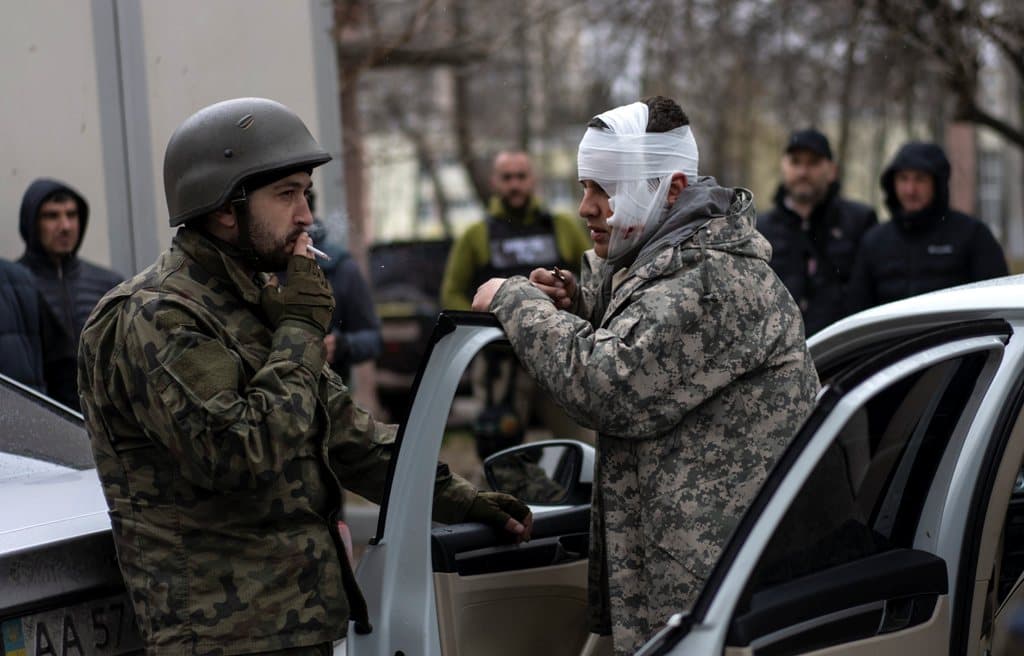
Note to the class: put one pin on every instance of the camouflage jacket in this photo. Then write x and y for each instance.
(222, 445)
(694, 370)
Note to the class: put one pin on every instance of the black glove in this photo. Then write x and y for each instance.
(495, 508)
(306, 298)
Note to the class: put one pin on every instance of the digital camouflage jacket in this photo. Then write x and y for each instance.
(222, 445)
(693, 369)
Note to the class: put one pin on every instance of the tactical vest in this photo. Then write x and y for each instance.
(516, 249)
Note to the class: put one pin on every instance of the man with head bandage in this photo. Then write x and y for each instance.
(679, 345)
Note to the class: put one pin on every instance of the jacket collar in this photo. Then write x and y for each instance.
(222, 261)
(717, 225)
(40, 262)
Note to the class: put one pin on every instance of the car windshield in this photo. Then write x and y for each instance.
(38, 435)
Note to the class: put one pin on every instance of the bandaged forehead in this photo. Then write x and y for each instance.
(629, 153)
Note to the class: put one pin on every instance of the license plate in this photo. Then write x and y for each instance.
(104, 627)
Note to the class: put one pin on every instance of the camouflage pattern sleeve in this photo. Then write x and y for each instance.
(453, 495)
(634, 379)
(187, 390)
(361, 448)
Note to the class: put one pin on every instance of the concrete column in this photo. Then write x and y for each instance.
(961, 149)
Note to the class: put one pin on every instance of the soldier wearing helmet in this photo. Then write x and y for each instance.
(221, 438)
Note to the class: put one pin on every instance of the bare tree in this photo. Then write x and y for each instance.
(950, 37)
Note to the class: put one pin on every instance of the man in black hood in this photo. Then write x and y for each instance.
(52, 224)
(813, 231)
(926, 246)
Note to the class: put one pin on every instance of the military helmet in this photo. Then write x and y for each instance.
(222, 145)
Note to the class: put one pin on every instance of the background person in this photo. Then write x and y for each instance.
(30, 338)
(814, 232)
(517, 235)
(354, 337)
(683, 349)
(52, 223)
(927, 245)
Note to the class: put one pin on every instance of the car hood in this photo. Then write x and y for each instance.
(44, 504)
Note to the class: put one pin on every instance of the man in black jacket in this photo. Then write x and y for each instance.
(30, 339)
(814, 232)
(52, 224)
(926, 246)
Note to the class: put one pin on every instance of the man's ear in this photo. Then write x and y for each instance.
(223, 223)
(679, 182)
(224, 217)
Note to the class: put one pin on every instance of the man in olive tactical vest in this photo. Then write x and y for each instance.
(221, 438)
(516, 236)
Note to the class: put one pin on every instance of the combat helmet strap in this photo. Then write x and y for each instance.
(243, 218)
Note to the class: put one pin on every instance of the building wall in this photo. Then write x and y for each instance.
(50, 113)
(101, 86)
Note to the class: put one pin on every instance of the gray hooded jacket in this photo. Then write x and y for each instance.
(692, 366)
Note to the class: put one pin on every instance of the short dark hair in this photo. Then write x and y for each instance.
(663, 114)
(59, 196)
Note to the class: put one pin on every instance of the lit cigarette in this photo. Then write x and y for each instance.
(319, 253)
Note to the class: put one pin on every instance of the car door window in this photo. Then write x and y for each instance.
(866, 493)
(1012, 552)
(37, 432)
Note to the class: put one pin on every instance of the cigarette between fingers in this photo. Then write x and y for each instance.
(317, 252)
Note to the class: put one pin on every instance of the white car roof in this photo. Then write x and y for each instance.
(999, 298)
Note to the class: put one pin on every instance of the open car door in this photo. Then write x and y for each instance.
(855, 544)
(465, 589)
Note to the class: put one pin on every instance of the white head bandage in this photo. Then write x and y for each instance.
(634, 167)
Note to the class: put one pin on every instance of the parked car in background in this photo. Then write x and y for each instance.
(60, 588)
(405, 277)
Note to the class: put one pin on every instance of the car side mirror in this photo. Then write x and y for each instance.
(551, 473)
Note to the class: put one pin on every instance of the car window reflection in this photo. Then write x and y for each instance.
(34, 429)
(866, 494)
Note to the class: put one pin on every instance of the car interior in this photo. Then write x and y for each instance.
(494, 597)
(841, 574)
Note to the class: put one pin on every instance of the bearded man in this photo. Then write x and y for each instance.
(221, 437)
(814, 232)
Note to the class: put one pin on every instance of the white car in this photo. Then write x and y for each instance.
(60, 589)
(889, 525)
(893, 524)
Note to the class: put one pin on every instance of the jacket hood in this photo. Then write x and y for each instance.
(29, 216)
(700, 202)
(918, 156)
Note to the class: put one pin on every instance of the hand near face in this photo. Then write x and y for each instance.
(558, 284)
(485, 294)
(301, 242)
